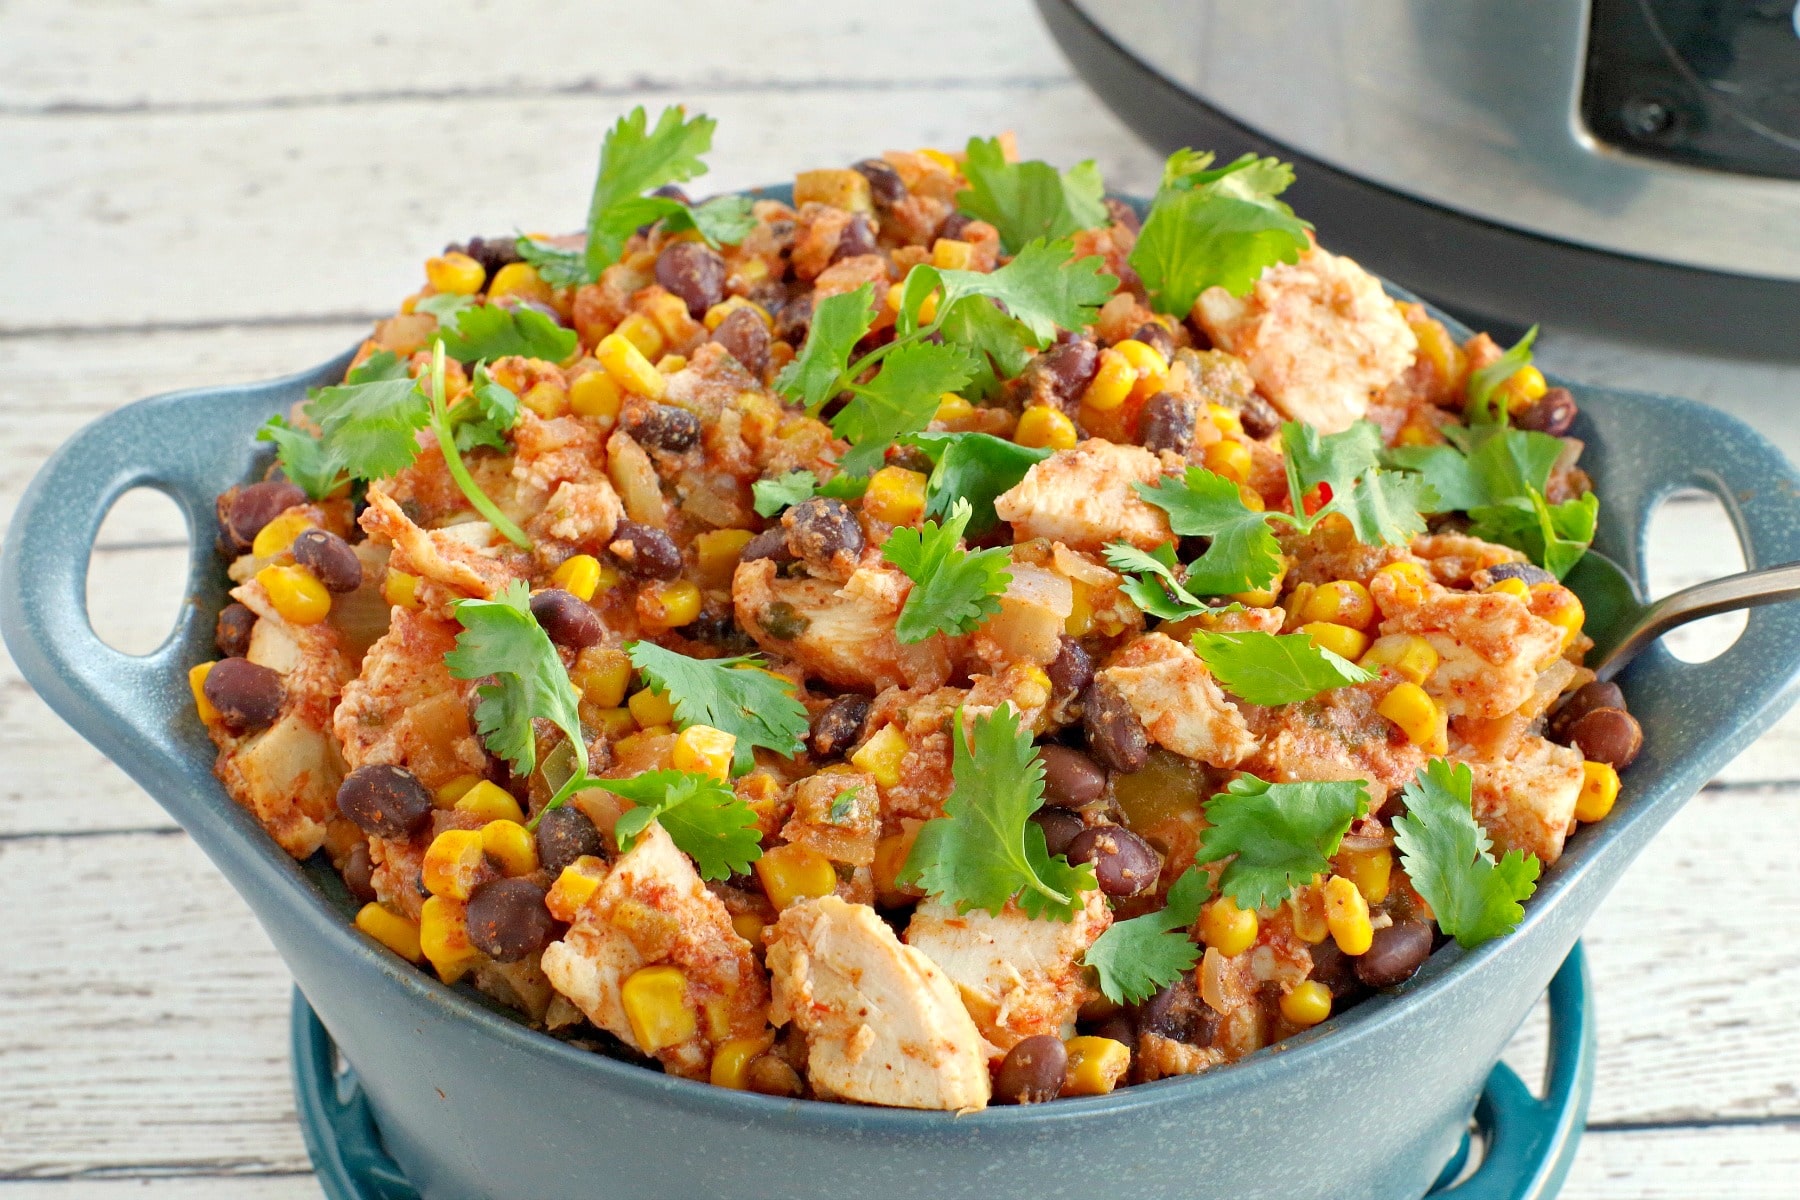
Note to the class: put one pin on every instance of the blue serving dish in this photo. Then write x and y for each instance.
(473, 1105)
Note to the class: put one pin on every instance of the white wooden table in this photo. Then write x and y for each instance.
(195, 193)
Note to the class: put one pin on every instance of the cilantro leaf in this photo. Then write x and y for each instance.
(635, 158)
(953, 590)
(1385, 507)
(1283, 834)
(729, 694)
(838, 323)
(1042, 288)
(1447, 855)
(1382, 508)
(999, 347)
(303, 458)
(976, 467)
(1216, 228)
(501, 638)
(483, 416)
(556, 266)
(1244, 555)
(445, 306)
(773, 495)
(702, 816)
(1029, 200)
(721, 221)
(984, 850)
(901, 399)
(1153, 581)
(1137, 958)
(1480, 408)
(370, 425)
(1271, 668)
(1333, 459)
(1555, 536)
(490, 331)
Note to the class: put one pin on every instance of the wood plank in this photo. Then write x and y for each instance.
(194, 54)
(295, 1186)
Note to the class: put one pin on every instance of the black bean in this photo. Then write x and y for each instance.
(1606, 735)
(1032, 1071)
(330, 559)
(746, 339)
(564, 834)
(1335, 969)
(783, 622)
(885, 184)
(232, 632)
(384, 800)
(1157, 336)
(543, 310)
(857, 238)
(663, 426)
(359, 872)
(770, 543)
(839, 726)
(819, 529)
(1531, 573)
(910, 458)
(794, 319)
(1071, 778)
(1115, 735)
(1068, 368)
(247, 695)
(953, 226)
(1060, 826)
(1124, 863)
(1582, 701)
(244, 511)
(669, 191)
(1395, 955)
(645, 550)
(1070, 671)
(1178, 1013)
(567, 618)
(508, 920)
(1122, 214)
(1258, 417)
(693, 271)
(491, 253)
(1119, 1028)
(1168, 422)
(1553, 413)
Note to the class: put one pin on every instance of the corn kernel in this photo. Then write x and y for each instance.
(669, 605)
(197, 684)
(948, 254)
(1306, 906)
(279, 534)
(1412, 656)
(717, 553)
(1339, 639)
(610, 723)
(1418, 433)
(603, 674)
(1417, 715)
(1096, 1064)
(579, 575)
(895, 495)
(793, 872)
(1264, 596)
(651, 708)
(596, 395)
(837, 186)
(511, 846)
(1148, 364)
(444, 938)
(1228, 458)
(1226, 420)
(938, 158)
(1561, 607)
(1342, 602)
(296, 594)
(1080, 620)
(1347, 913)
(731, 1061)
(1408, 581)
(521, 280)
(547, 399)
(1044, 428)
(715, 316)
(1514, 587)
(749, 926)
(574, 887)
(952, 407)
(391, 930)
(655, 1002)
(455, 274)
(628, 366)
(491, 802)
(446, 795)
(399, 588)
(645, 336)
(453, 863)
(882, 755)
(1372, 871)
(1252, 498)
(669, 313)
(1523, 388)
(668, 364)
(1112, 382)
(703, 750)
(1227, 928)
(1599, 789)
(1307, 1005)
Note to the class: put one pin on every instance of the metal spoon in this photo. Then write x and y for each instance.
(1623, 625)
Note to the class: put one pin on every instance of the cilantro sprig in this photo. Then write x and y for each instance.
(1480, 407)
(705, 819)
(1269, 668)
(1027, 200)
(770, 496)
(1137, 958)
(976, 467)
(492, 331)
(730, 694)
(985, 850)
(954, 590)
(1448, 856)
(1278, 836)
(635, 158)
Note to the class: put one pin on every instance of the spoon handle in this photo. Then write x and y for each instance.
(1767, 585)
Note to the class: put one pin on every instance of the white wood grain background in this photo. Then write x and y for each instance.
(198, 193)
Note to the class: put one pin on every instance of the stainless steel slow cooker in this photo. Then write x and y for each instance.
(1622, 166)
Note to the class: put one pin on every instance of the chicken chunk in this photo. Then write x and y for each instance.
(1019, 976)
(653, 910)
(1179, 702)
(287, 776)
(460, 559)
(883, 1024)
(842, 633)
(1527, 801)
(406, 709)
(1320, 337)
(1084, 498)
(1335, 735)
(1490, 647)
